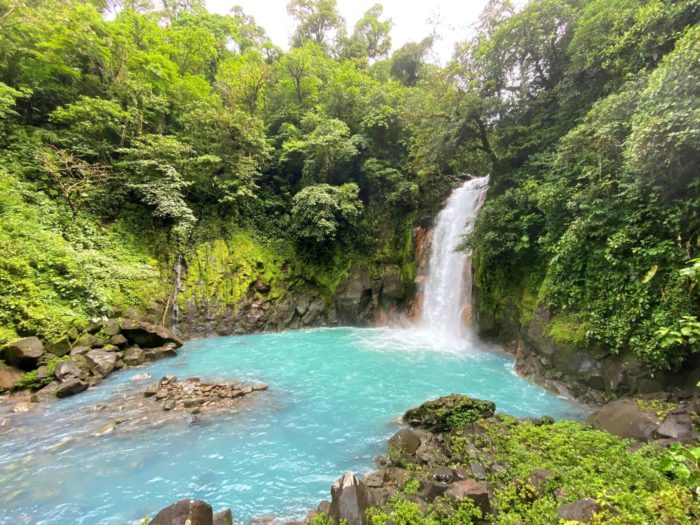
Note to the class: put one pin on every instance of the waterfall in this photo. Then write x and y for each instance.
(447, 294)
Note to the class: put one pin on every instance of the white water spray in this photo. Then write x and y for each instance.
(447, 295)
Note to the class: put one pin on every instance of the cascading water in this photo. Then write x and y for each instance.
(447, 293)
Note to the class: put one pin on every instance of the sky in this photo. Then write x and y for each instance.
(413, 20)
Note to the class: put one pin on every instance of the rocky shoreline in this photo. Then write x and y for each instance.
(75, 363)
(457, 462)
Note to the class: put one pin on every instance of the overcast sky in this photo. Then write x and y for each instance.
(413, 19)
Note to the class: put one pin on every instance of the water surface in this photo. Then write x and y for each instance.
(332, 398)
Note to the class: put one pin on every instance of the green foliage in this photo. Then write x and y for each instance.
(598, 213)
(683, 463)
(56, 269)
(411, 487)
(402, 511)
(629, 486)
(324, 213)
(29, 379)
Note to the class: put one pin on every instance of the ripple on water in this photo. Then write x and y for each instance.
(333, 394)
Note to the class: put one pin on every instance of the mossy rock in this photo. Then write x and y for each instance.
(449, 412)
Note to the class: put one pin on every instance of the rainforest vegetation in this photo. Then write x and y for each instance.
(132, 135)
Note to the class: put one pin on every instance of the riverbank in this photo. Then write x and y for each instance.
(459, 463)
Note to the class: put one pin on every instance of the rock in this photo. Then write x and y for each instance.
(582, 510)
(118, 340)
(23, 353)
(446, 413)
(477, 491)
(444, 474)
(169, 405)
(353, 302)
(374, 479)
(430, 490)
(111, 328)
(9, 375)
(539, 479)
(676, 426)
(224, 517)
(110, 348)
(134, 356)
(148, 335)
(478, 470)
(406, 441)
(152, 354)
(350, 499)
(79, 350)
(324, 507)
(624, 418)
(101, 362)
(60, 347)
(42, 373)
(392, 287)
(70, 386)
(185, 512)
(88, 340)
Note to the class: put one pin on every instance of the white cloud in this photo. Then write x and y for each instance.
(451, 20)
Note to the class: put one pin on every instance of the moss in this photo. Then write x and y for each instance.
(567, 329)
(659, 407)
(30, 381)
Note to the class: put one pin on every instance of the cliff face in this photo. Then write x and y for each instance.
(238, 286)
(591, 375)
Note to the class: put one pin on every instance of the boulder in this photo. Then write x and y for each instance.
(88, 340)
(676, 426)
(539, 479)
(624, 418)
(118, 340)
(60, 347)
(23, 353)
(582, 510)
(70, 386)
(350, 499)
(148, 335)
(185, 512)
(79, 350)
(406, 441)
(477, 491)
(449, 412)
(134, 356)
(101, 362)
(151, 354)
(224, 517)
(9, 375)
(111, 327)
(66, 370)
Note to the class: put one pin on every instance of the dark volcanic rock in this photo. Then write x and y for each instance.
(350, 499)
(446, 413)
(70, 386)
(582, 510)
(134, 356)
(148, 335)
(101, 362)
(9, 376)
(23, 353)
(185, 512)
(477, 491)
(624, 418)
(194, 396)
(224, 517)
(406, 440)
